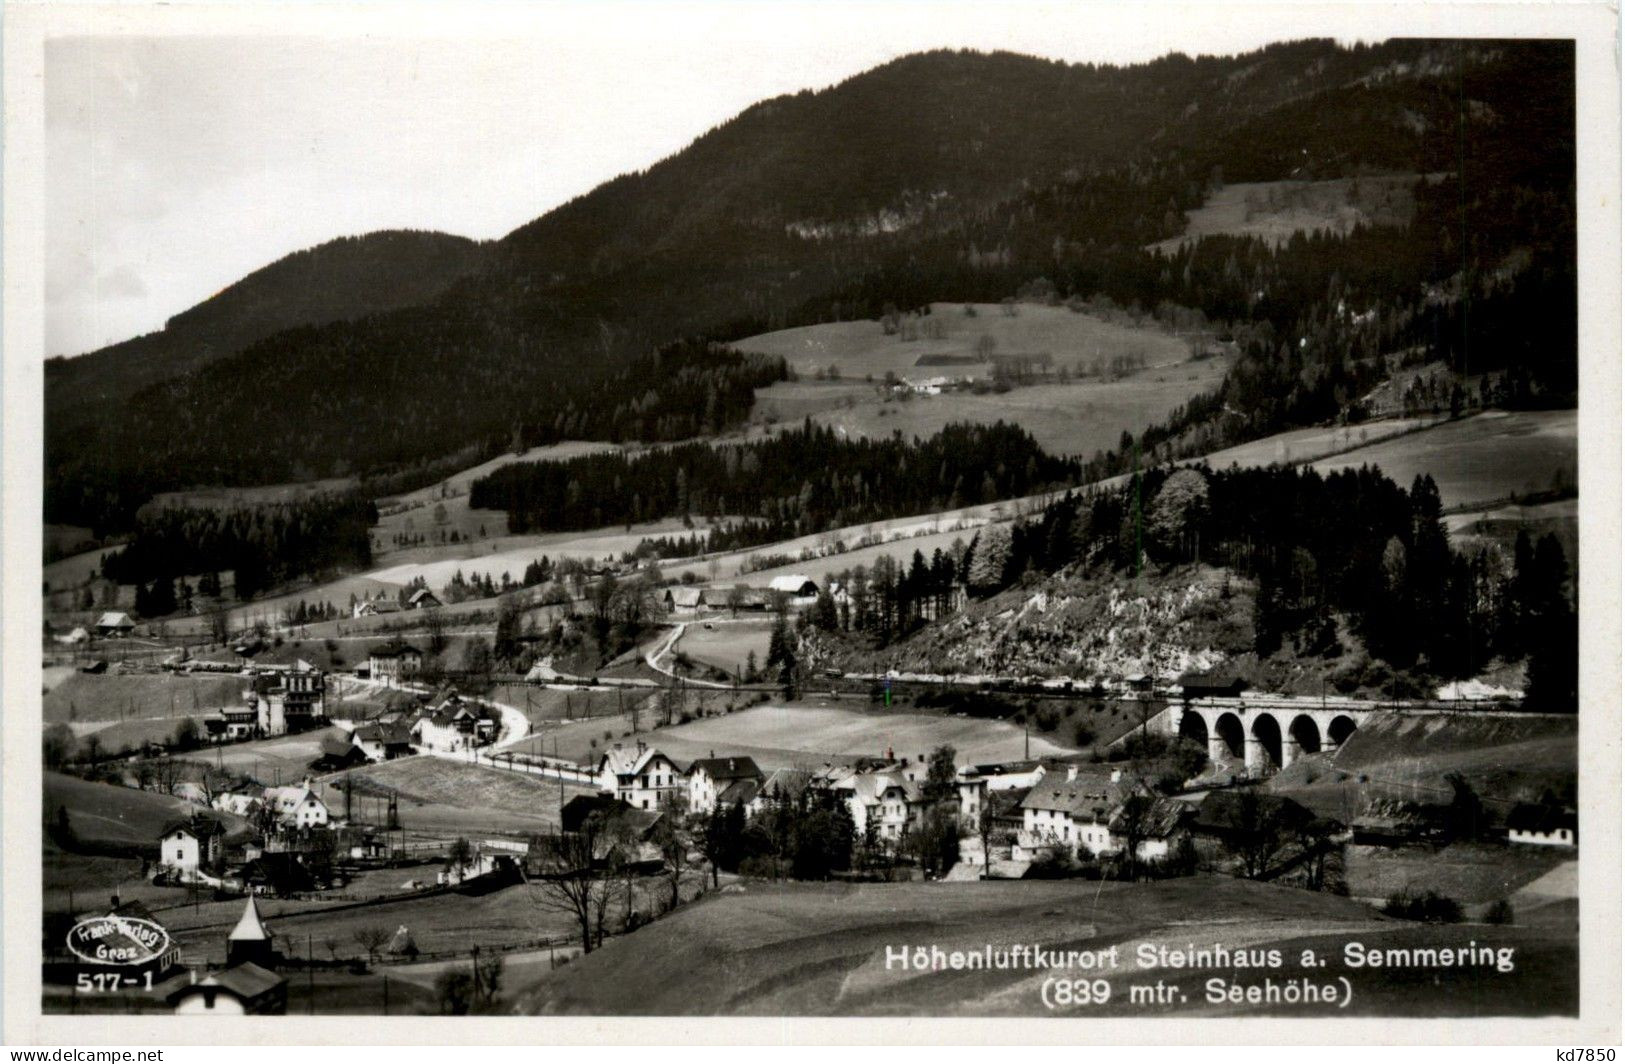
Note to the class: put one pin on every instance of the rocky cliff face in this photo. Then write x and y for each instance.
(1096, 626)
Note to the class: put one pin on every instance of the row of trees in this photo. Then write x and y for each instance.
(262, 545)
(795, 483)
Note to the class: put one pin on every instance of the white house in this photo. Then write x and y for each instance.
(1068, 811)
(394, 662)
(1543, 825)
(187, 845)
(383, 741)
(640, 776)
(886, 802)
(710, 777)
(297, 806)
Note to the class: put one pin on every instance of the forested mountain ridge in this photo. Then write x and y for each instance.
(947, 175)
(349, 277)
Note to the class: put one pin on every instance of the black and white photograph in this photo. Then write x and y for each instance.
(753, 512)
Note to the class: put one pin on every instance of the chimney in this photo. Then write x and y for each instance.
(730, 764)
(1117, 775)
(1072, 773)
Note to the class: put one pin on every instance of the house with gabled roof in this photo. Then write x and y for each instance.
(296, 806)
(422, 599)
(114, 623)
(184, 846)
(709, 778)
(394, 662)
(1071, 808)
(243, 990)
(384, 741)
(1543, 825)
(640, 776)
(683, 598)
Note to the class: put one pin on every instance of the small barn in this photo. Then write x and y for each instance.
(1543, 825)
(114, 623)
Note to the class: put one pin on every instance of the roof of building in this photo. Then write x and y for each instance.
(392, 733)
(198, 825)
(1226, 811)
(726, 768)
(740, 792)
(784, 781)
(628, 762)
(423, 593)
(1090, 796)
(247, 981)
(333, 746)
(250, 928)
(791, 583)
(1541, 819)
(385, 605)
(1162, 818)
(576, 811)
(114, 619)
(685, 596)
(395, 648)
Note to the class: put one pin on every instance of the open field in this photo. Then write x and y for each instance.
(75, 569)
(105, 817)
(284, 759)
(819, 949)
(1479, 459)
(1074, 418)
(1472, 873)
(440, 794)
(1506, 759)
(111, 697)
(1273, 210)
(861, 348)
(725, 644)
(1307, 445)
(791, 736)
(585, 703)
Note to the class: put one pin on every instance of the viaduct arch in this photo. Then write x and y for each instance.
(1267, 734)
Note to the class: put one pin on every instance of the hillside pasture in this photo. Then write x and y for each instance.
(549, 704)
(1272, 211)
(798, 735)
(1311, 444)
(725, 645)
(109, 696)
(820, 949)
(442, 794)
(107, 818)
(1480, 459)
(1073, 418)
(859, 349)
(1505, 758)
(281, 760)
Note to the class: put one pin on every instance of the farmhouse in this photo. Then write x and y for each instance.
(641, 777)
(1160, 828)
(114, 623)
(237, 803)
(709, 778)
(233, 723)
(1543, 825)
(245, 990)
(278, 874)
(187, 845)
(337, 755)
(452, 725)
(1010, 775)
(422, 599)
(384, 741)
(1072, 809)
(376, 607)
(296, 806)
(394, 662)
(683, 598)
